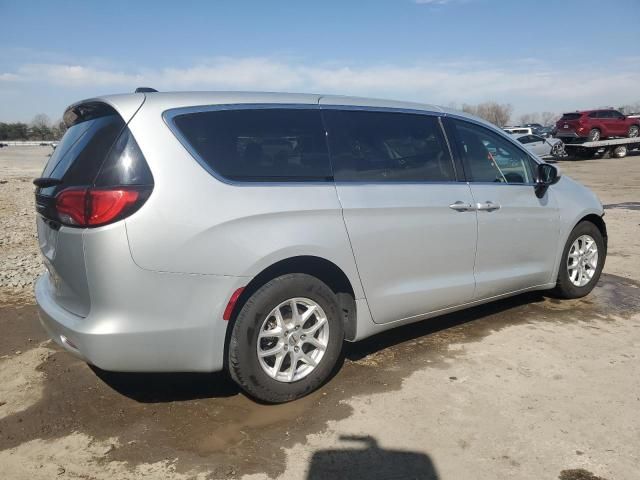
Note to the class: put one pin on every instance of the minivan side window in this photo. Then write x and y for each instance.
(488, 157)
(270, 144)
(387, 146)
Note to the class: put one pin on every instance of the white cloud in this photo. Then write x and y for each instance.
(8, 77)
(529, 85)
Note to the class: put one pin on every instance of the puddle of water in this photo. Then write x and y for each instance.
(204, 421)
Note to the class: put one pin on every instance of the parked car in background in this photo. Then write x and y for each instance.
(593, 125)
(545, 131)
(257, 232)
(518, 130)
(535, 127)
(541, 146)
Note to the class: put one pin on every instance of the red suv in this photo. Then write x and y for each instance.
(596, 124)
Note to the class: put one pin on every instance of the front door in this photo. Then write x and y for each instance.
(517, 231)
(411, 223)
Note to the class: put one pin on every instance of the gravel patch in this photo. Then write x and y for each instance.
(20, 262)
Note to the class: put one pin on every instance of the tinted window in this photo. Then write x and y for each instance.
(571, 116)
(83, 148)
(595, 115)
(490, 158)
(528, 139)
(125, 164)
(380, 146)
(259, 145)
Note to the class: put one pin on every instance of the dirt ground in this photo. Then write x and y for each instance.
(528, 388)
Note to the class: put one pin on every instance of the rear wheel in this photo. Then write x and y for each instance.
(594, 135)
(619, 152)
(634, 131)
(287, 339)
(582, 261)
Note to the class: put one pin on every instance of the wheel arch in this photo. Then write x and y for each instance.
(598, 222)
(325, 270)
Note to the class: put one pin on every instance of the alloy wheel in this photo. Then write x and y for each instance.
(293, 339)
(582, 260)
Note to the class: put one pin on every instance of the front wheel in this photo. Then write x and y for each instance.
(582, 261)
(287, 339)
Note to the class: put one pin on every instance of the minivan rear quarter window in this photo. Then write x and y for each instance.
(268, 144)
(385, 146)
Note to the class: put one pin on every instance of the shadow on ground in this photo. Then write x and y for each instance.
(169, 387)
(366, 460)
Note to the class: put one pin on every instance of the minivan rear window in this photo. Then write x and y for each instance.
(571, 116)
(97, 151)
(270, 144)
(84, 146)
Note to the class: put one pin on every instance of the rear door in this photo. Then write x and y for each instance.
(517, 231)
(616, 124)
(410, 222)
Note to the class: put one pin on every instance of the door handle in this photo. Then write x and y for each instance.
(487, 206)
(460, 206)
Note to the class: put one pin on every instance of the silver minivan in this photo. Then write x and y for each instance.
(256, 232)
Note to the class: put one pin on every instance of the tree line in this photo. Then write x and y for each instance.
(40, 128)
(500, 113)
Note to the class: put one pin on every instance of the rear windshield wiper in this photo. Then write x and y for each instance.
(44, 182)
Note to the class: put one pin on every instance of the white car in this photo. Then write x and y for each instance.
(518, 130)
(543, 147)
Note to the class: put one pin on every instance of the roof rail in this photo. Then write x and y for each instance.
(145, 90)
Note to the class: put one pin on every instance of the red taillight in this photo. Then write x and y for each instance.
(89, 207)
(71, 205)
(105, 205)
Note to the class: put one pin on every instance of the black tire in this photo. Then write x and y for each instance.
(244, 366)
(564, 287)
(619, 152)
(634, 131)
(594, 135)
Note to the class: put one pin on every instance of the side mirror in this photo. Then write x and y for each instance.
(546, 175)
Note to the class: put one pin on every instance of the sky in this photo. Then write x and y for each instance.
(546, 55)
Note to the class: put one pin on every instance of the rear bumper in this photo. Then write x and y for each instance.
(180, 328)
(567, 134)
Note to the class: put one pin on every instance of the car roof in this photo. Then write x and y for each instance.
(591, 111)
(171, 100)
